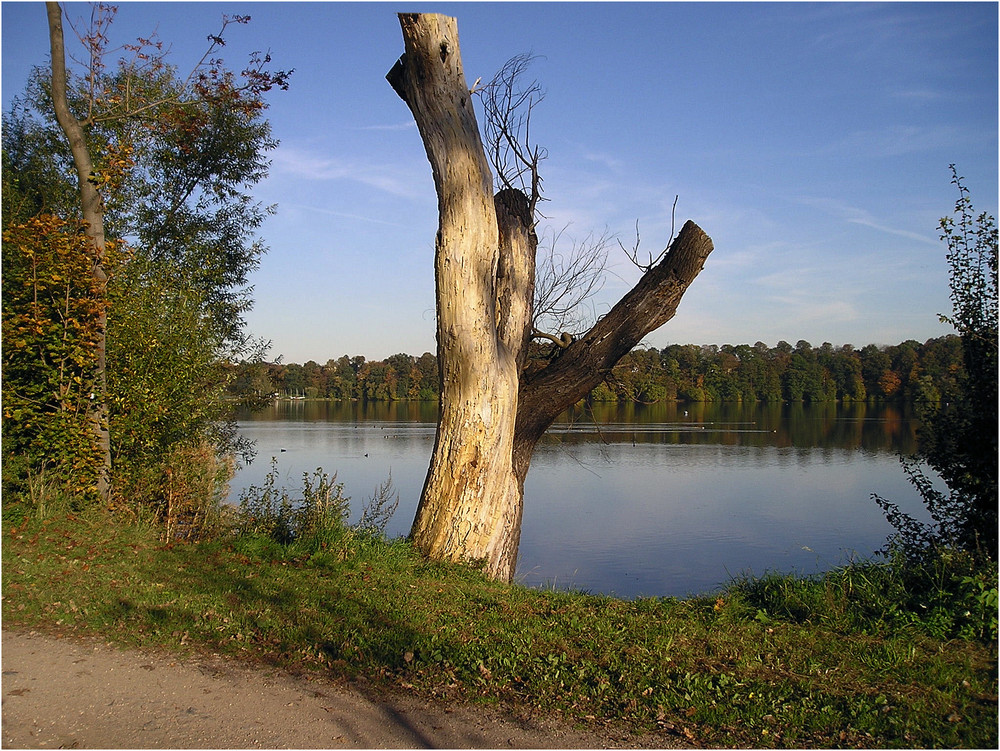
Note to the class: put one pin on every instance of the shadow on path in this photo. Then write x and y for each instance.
(74, 692)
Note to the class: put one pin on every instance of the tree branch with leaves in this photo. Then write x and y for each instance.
(958, 437)
(164, 161)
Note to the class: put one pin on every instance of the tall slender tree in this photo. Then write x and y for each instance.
(92, 210)
(492, 412)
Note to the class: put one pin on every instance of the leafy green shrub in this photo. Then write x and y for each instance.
(947, 594)
(259, 547)
(195, 483)
(950, 594)
(51, 308)
(183, 491)
(378, 510)
(958, 439)
(312, 522)
(944, 574)
(320, 522)
(779, 596)
(274, 521)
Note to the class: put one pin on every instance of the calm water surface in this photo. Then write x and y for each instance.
(637, 500)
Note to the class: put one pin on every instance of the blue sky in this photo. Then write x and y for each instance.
(811, 142)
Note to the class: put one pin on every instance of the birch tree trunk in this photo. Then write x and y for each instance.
(491, 414)
(92, 209)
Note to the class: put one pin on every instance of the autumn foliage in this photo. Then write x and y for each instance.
(129, 235)
(50, 304)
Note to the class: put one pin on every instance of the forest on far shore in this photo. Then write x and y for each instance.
(909, 371)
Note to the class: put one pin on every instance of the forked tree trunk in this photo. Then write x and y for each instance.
(470, 508)
(491, 415)
(92, 209)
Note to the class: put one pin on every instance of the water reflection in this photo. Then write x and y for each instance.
(853, 426)
(632, 499)
(653, 520)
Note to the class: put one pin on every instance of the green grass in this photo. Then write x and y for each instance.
(773, 662)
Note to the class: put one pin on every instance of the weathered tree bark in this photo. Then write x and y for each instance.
(470, 507)
(92, 209)
(491, 415)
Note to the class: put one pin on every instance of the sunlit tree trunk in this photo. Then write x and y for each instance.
(491, 415)
(93, 217)
(470, 508)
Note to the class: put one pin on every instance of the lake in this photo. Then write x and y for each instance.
(637, 500)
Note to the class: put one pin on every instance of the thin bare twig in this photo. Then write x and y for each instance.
(508, 106)
(633, 255)
(565, 281)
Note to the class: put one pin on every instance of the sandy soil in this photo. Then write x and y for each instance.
(70, 692)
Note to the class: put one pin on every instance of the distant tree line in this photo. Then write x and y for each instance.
(396, 378)
(910, 371)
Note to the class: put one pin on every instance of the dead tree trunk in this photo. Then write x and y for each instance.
(491, 415)
(588, 360)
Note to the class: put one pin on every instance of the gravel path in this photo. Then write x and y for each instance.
(72, 692)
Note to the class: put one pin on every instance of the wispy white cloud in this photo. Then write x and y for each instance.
(866, 222)
(901, 140)
(855, 215)
(304, 164)
(585, 196)
(609, 161)
(342, 214)
(806, 309)
(919, 95)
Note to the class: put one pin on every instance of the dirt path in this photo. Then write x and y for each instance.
(82, 693)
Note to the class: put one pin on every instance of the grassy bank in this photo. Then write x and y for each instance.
(775, 662)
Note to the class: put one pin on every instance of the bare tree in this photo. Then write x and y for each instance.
(493, 411)
(508, 104)
(565, 279)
